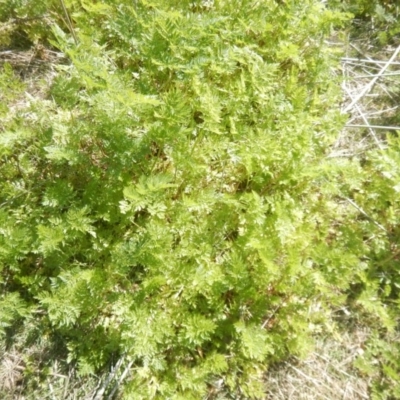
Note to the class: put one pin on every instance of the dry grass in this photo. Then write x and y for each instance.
(11, 371)
(371, 81)
(24, 376)
(37, 69)
(327, 373)
(38, 372)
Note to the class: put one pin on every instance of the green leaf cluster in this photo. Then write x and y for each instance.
(171, 198)
(378, 18)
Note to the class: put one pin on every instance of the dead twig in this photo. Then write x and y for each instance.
(120, 380)
(100, 392)
(365, 214)
(392, 128)
(69, 22)
(361, 60)
(371, 84)
(364, 118)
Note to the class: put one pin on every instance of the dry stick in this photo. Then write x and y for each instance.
(370, 60)
(345, 391)
(51, 389)
(276, 309)
(393, 128)
(382, 86)
(99, 394)
(382, 111)
(309, 378)
(371, 66)
(365, 214)
(66, 384)
(344, 78)
(271, 316)
(120, 380)
(369, 75)
(372, 75)
(362, 53)
(371, 84)
(69, 22)
(342, 154)
(363, 117)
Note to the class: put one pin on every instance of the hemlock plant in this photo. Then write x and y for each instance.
(171, 199)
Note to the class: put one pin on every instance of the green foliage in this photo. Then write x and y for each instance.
(381, 362)
(380, 18)
(378, 197)
(25, 22)
(12, 308)
(366, 8)
(10, 89)
(171, 199)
